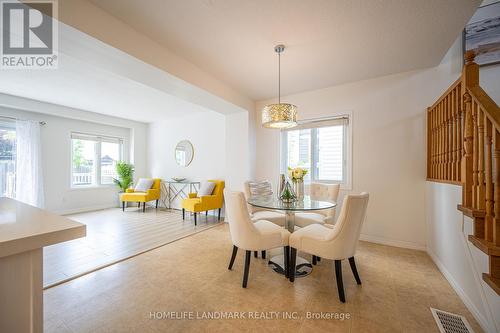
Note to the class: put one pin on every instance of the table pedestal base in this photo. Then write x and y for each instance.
(302, 267)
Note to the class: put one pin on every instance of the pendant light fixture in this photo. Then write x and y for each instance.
(281, 115)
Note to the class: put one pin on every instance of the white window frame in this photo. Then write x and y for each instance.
(98, 138)
(346, 184)
(10, 124)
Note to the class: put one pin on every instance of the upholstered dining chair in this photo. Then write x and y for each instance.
(253, 188)
(251, 236)
(259, 188)
(337, 242)
(322, 192)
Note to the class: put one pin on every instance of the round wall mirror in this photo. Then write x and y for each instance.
(184, 153)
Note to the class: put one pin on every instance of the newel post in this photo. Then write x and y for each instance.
(470, 78)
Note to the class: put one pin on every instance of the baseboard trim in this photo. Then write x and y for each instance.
(84, 209)
(392, 242)
(460, 292)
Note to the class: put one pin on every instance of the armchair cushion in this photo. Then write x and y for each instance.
(143, 185)
(192, 195)
(206, 188)
(129, 190)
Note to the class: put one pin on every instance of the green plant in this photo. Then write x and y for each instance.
(125, 173)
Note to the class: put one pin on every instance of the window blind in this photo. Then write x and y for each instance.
(96, 138)
(320, 122)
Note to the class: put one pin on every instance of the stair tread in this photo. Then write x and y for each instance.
(471, 212)
(492, 282)
(487, 247)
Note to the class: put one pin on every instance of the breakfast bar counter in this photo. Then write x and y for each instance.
(24, 231)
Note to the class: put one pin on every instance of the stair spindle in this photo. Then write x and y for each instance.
(480, 163)
(489, 179)
(475, 159)
(496, 221)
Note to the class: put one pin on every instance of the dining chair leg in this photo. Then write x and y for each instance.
(233, 256)
(340, 284)
(264, 254)
(256, 254)
(248, 255)
(286, 260)
(354, 270)
(291, 266)
(183, 214)
(314, 262)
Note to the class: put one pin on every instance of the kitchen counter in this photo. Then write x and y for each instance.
(24, 231)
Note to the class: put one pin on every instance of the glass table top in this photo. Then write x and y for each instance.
(271, 202)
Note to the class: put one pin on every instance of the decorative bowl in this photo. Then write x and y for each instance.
(178, 179)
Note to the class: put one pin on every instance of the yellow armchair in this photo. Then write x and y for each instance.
(152, 194)
(196, 204)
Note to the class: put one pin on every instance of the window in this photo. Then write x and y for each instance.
(94, 159)
(321, 147)
(7, 159)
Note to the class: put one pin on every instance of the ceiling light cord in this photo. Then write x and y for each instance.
(279, 77)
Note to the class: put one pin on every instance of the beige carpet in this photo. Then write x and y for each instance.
(112, 236)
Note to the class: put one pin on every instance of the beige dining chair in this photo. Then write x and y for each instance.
(254, 188)
(322, 192)
(336, 243)
(249, 235)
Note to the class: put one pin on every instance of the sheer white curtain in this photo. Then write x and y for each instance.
(29, 177)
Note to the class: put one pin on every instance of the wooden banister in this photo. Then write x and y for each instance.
(463, 133)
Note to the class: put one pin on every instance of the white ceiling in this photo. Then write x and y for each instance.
(82, 86)
(328, 42)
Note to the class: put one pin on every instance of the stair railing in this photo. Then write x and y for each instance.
(463, 147)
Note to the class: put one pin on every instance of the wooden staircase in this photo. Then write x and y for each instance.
(463, 148)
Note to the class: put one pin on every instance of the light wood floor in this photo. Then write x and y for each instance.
(191, 274)
(113, 235)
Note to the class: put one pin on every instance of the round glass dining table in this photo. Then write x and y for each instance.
(303, 267)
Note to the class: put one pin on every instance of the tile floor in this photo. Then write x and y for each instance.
(191, 276)
(113, 235)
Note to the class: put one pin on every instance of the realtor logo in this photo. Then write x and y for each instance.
(29, 34)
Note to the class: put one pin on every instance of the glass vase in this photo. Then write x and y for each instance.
(298, 187)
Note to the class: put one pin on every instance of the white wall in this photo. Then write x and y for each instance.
(207, 133)
(389, 145)
(458, 259)
(56, 152)
(489, 80)
(239, 163)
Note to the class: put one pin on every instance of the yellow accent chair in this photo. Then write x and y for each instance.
(205, 203)
(152, 194)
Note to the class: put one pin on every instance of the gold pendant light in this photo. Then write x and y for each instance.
(281, 115)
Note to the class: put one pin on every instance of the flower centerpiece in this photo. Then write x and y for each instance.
(297, 176)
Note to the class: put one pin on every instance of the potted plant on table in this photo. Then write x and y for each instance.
(297, 176)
